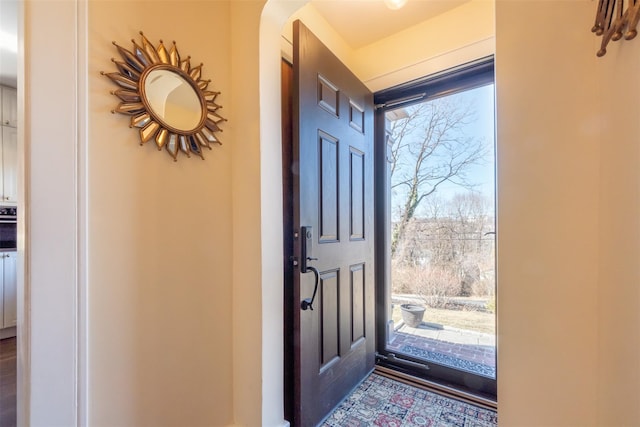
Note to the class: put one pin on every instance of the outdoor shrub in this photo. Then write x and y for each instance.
(436, 285)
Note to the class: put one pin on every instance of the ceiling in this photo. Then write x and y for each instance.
(359, 23)
(362, 22)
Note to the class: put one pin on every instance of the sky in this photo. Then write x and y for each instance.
(483, 128)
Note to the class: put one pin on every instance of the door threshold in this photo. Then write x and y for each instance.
(445, 390)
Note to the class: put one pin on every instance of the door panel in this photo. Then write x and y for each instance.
(357, 303)
(329, 310)
(356, 186)
(329, 220)
(334, 346)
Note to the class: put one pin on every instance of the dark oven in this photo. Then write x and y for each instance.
(7, 227)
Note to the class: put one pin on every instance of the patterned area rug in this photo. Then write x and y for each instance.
(380, 401)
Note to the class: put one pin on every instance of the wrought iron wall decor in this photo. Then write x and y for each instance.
(167, 98)
(615, 19)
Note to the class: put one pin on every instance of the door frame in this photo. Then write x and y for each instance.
(287, 231)
(467, 76)
(275, 45)
(52, 383)
(461, 78)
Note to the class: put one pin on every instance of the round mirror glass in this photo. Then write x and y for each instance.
(173, 100)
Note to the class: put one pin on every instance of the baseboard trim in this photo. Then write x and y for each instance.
(284, 423)
(8, 332)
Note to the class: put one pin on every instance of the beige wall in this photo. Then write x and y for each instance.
(460, 35)
(177, 275)
(548, 214)
(251, 344)
(619, 237)
(160, 237)
(568, 229)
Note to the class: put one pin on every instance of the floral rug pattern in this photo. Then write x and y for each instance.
(380, 401)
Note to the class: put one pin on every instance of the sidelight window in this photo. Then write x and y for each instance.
(436, 165)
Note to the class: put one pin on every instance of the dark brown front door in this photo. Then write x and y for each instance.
(332, 160)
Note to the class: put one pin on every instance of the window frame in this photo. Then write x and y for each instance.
(458, 79)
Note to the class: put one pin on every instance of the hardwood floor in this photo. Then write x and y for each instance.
(8, 382)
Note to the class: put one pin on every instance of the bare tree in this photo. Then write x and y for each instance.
(429, 148)
(448, 250)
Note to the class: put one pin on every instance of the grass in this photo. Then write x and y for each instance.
(470, 320)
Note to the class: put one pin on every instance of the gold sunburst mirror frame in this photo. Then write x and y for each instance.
(167, 98)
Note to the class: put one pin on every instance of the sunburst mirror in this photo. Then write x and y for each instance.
(167, 98)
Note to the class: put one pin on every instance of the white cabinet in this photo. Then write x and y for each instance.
(8, 195)
(9, 146)
(9, 106)
(8, 178)
(8, 294)
(9, 303)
